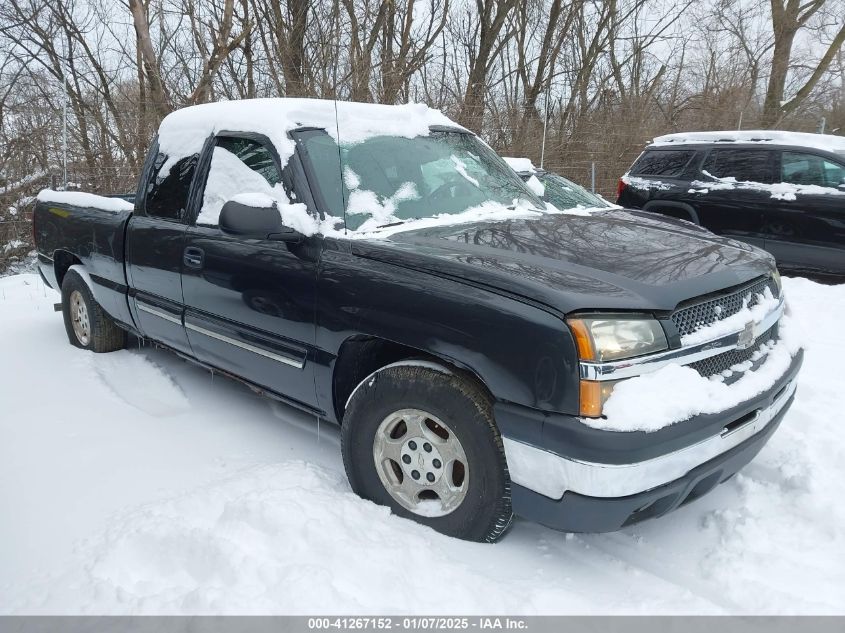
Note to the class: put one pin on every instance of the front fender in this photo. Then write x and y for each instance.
(523, 354)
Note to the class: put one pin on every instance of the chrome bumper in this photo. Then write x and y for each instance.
(552, 475)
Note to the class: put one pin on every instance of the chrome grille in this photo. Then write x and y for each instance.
(690, 318)
(721, 362)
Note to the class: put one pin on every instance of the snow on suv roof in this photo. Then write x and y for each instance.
(826, 142)
(184, 131)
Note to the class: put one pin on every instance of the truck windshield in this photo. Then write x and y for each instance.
(386, 180)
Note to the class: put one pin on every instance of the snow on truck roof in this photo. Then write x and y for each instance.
(184, 131)
(826, 142)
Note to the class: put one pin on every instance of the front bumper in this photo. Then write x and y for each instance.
(562, 489)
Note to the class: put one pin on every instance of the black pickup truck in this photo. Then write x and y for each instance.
(385, 270)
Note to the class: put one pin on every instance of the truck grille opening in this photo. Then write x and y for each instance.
(723, 362)
(701, 313)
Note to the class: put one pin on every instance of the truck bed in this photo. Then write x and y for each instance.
(82, 228)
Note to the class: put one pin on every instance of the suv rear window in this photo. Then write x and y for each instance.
(662, 163)
(754, 165)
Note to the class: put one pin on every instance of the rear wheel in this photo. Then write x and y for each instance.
(424, 443)
(87, 325)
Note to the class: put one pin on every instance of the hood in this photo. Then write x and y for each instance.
(618, 260)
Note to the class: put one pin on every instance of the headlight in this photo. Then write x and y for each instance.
(603, 339)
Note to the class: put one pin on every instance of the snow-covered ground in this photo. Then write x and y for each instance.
(135, 482)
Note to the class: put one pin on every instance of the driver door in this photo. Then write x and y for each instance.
(250, 302)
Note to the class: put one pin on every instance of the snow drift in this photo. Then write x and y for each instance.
(134, 482)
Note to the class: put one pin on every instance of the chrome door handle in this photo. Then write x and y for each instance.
(193, 257)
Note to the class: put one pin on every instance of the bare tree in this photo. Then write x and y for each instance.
(489, 31)
(154, 84)
(406, 49)
(788, 18)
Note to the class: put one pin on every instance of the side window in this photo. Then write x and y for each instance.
(799, 168)
(238, 165)
(669, 163)
(167, 195)
(745, 165)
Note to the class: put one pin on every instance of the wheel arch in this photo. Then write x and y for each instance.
(361, 356)
(674, 209)
(62, 261)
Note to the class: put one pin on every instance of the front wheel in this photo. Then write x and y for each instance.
(87, 325)
(424, 443)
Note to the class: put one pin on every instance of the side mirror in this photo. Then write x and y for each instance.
(256, 221)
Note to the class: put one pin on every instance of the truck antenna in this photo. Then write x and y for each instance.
(545, 123)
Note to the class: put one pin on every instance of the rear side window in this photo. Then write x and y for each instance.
(745, 165)
(668, 163)
(167, 194)
(799, 168)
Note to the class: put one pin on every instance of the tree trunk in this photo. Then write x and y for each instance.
(157, 91)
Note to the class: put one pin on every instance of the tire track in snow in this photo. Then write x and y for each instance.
(626, 548)
(140, 383)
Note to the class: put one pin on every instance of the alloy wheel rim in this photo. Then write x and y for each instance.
(421, 462)
(79, 318)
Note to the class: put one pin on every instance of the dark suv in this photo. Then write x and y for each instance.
(781, 191)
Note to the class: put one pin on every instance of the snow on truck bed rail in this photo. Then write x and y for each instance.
(82, 199)
(826, 142)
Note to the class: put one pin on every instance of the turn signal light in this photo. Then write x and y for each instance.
(583, 339)
(590, 398)
(593, 396)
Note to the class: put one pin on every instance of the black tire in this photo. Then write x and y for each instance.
(485, 512)
(104, 334)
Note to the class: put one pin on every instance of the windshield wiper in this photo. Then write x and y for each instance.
(384, 226)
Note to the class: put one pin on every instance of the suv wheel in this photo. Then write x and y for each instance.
(424, 443)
